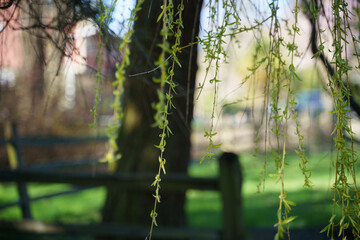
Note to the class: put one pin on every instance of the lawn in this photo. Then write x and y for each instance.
(203, 207)
(313, 207)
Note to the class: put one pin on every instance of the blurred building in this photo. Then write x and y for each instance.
(48, 75)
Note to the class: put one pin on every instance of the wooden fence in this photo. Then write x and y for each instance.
(228, 183)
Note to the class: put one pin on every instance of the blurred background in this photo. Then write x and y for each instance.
(47, 92)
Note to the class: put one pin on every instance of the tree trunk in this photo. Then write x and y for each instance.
(137, 138)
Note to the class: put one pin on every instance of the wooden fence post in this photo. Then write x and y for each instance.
(230, 181)
(14, 155)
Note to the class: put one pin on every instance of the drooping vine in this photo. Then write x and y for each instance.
(214, 49)
(293, 48)
(164, 106)
(277, 77)
(285, 204)
(276, 74)
(104, 19)
(112, 154)
(345, 192)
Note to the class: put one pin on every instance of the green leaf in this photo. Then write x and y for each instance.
(291, 203)
(288, 220)
(273, 175)
(161, 14)
(177, 61)
(325, 228)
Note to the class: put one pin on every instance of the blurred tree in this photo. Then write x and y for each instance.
(47, 32)
(137, 137)
(37, 43)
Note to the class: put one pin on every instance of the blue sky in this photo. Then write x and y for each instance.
(123, 9)
(121, 12)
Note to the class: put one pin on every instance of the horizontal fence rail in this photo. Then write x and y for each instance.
(141, 181)
(46, 142)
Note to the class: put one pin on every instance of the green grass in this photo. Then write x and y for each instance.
(82, 207)
(203, 207)
(313, 208)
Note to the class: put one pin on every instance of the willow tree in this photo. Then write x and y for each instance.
(157, 101)
(156, 84)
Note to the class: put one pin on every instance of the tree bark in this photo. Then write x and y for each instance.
(137, 137)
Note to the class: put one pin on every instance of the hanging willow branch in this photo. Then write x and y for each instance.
(355, 106)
